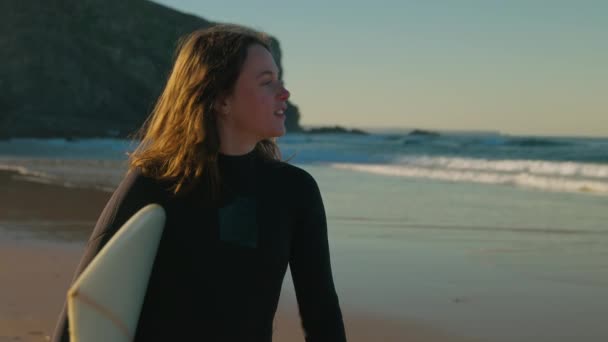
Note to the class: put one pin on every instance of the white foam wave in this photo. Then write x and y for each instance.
(522, 179)
(99, 174)
(539, 167)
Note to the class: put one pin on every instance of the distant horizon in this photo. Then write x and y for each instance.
(405, 130)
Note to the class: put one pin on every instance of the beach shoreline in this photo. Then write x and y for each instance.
(36, 269)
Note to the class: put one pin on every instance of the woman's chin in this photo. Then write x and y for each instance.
(279, 132)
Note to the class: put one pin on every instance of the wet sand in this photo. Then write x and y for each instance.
(36, 269)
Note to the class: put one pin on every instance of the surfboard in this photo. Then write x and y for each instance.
(105, 301)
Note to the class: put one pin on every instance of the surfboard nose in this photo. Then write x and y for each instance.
(105, 301)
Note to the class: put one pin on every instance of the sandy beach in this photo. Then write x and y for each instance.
(36, 267)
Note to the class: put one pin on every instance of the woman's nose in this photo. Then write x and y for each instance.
(284, 94)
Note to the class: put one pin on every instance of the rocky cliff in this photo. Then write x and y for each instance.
(88, 68)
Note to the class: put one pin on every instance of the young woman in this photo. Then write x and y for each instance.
(237, 215)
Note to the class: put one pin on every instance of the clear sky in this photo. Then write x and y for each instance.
(515, 66)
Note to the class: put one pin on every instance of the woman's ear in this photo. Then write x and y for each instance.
(222, 106)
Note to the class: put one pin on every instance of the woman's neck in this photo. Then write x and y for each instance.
(234, 142)
(235, 150)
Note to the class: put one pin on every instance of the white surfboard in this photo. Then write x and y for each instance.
(105, 301)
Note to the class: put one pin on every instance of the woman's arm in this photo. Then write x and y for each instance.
(132, 194)
(310, 267)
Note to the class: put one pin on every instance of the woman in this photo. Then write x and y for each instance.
(236, 214)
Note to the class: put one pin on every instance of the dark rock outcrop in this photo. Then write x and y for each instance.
(423, 133)
(335, 129)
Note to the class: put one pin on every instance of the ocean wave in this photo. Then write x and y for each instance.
(97, 174)
(61, 148)
(535, 142)
(522, 179)
(534, 167)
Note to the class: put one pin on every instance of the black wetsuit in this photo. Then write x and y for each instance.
(219, 269)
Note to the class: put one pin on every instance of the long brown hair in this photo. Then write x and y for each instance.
(179, 141)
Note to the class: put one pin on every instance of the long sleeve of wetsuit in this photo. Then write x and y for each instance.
(310, 267)
(131, 195)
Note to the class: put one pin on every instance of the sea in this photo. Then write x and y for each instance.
(492, 236)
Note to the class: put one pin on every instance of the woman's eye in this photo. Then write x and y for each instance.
(275, 84)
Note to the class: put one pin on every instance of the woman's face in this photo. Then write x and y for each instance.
(251, 110)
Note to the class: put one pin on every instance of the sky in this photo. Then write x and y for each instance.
(527, 67)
